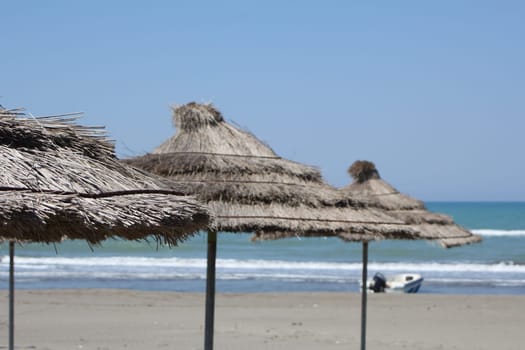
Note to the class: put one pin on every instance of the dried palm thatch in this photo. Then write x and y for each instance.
(251, 189)
(51, 217)
(62, 180)
(432, 226)
(368, 184)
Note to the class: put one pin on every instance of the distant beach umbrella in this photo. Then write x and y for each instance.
(368, 185)
(250, 188)
(61, 180)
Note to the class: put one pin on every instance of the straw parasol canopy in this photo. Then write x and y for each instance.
(431, 226)
(62, 180)
(251, 189)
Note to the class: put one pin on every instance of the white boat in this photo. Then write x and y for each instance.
(402, 283)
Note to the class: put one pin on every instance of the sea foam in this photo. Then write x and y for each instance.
(499, 233)
(143, 263)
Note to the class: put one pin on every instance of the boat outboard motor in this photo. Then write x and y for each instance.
(379, 283)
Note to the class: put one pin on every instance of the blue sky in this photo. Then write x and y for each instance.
(432, 92)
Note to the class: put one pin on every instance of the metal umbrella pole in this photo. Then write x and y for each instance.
(364, 292)
(210, 291)
(11, 295)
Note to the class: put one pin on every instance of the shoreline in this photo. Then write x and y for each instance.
(63, 319)
(247, 286)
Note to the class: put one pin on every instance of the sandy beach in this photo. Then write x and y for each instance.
(123, 319)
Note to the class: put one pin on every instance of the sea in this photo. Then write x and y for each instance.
(494, 266)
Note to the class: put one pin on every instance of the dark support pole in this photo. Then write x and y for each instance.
(11, 295)
(210, 291)
(364, 291)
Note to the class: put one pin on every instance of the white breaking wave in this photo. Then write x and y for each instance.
(161, 265)
(499, 233)
(32, 270)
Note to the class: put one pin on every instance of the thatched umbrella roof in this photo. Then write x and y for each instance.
(432, 226)
(252, 189)
(62, 180)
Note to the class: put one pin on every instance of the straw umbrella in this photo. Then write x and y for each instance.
(61, 180)
(430, 226)
(251, 189)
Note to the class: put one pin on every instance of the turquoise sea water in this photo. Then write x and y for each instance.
(495, 266)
